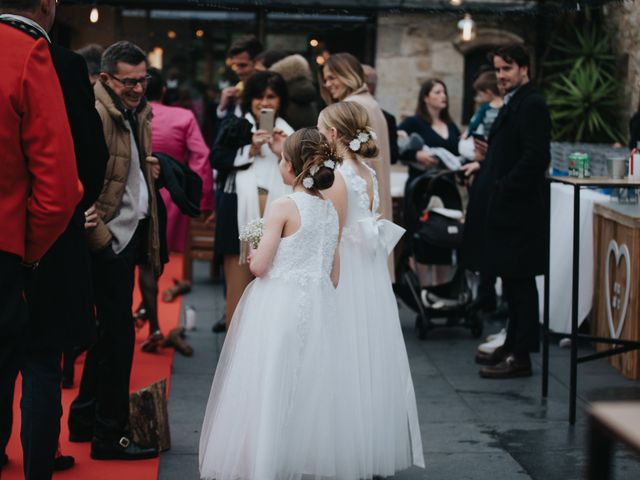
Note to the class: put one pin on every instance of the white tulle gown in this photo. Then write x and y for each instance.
(373, 339)
(273, 409)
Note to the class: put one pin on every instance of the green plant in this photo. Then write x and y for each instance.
(581, 89)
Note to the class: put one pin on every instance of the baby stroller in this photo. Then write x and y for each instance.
(434, 223)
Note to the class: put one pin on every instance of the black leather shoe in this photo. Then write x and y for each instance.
(123, 449)
(3, 460)
(492, 359)
(220, 326)
(63, 462)
(508, 368)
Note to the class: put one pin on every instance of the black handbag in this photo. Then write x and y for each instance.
(439, 230)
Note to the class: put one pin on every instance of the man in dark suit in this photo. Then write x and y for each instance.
(507, 208)
(59, 290)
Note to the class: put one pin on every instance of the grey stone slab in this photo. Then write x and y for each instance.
(182, 467)
(457, 437)
(472, 466)
(518, 407)
(527, 437)
(570, 465)
(531, 386)
(427, 386)
(444, 409)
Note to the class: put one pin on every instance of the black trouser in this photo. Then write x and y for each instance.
(41, 411)
(40, 368)
(103, 401)
(13, 316)
(487, 292)
(523, 329)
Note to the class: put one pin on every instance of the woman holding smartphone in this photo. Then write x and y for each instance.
(249, 176)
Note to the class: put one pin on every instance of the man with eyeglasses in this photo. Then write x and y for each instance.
(122, 229)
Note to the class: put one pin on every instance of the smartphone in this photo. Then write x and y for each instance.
(267, 120)
(477, 136)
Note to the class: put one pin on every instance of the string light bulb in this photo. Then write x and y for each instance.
(200, 33)
(468, 27)
(94, 16)
(314, 43)
(455, 3)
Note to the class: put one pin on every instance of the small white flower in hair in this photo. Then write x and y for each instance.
(307, 182)
(363, 137)
(329, 164)
(355, 144)
(314, 169)
(373, 135)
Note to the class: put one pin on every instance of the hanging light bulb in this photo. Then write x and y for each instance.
(94, 16)
(455, 3)
(468, 27)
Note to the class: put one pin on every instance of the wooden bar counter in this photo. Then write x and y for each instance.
(616, 302)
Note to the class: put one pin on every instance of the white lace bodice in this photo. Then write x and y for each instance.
(358, 198)
(307, 255)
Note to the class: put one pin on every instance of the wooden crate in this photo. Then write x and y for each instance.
(616, 237)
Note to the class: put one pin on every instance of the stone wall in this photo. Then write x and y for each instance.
(414, 47)
(624, 22)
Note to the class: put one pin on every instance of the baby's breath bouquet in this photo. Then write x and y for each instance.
(252, 232)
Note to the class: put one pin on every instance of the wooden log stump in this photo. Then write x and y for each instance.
(148, 416)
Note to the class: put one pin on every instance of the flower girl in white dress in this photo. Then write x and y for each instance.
(372, 335)
(271, 413)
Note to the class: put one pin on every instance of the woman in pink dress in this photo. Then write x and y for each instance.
(175, 131)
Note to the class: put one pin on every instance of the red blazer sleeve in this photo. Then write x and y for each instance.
(199, 161)
(48, 149)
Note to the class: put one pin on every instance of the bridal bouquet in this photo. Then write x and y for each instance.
(252, 232)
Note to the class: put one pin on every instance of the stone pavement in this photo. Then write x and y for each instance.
(472, 429)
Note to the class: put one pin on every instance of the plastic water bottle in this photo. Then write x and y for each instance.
(190, 317)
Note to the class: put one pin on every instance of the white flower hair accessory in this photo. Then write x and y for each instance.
(307, 182)
(314, 169)
(330, 164)
(361, 138)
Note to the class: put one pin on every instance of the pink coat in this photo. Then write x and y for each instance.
(176, 132)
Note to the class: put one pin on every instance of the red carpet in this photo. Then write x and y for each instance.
(147, 369)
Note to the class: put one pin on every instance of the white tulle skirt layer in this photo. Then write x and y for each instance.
(273, 412)
(372, 342)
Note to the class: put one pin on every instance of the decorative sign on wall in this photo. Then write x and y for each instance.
(620, 301)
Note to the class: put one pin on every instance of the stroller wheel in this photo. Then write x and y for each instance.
(422, 326)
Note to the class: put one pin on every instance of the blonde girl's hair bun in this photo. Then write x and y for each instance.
(351, 121)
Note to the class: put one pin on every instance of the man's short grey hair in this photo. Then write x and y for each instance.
(92, 54)
(18, 5)
(123, 51)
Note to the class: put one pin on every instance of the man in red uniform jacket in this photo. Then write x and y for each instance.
(39, 187)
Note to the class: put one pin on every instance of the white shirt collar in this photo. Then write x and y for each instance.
(507, 98)
(28, 21)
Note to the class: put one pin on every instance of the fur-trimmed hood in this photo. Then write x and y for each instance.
(292, 67)
(296, 72)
